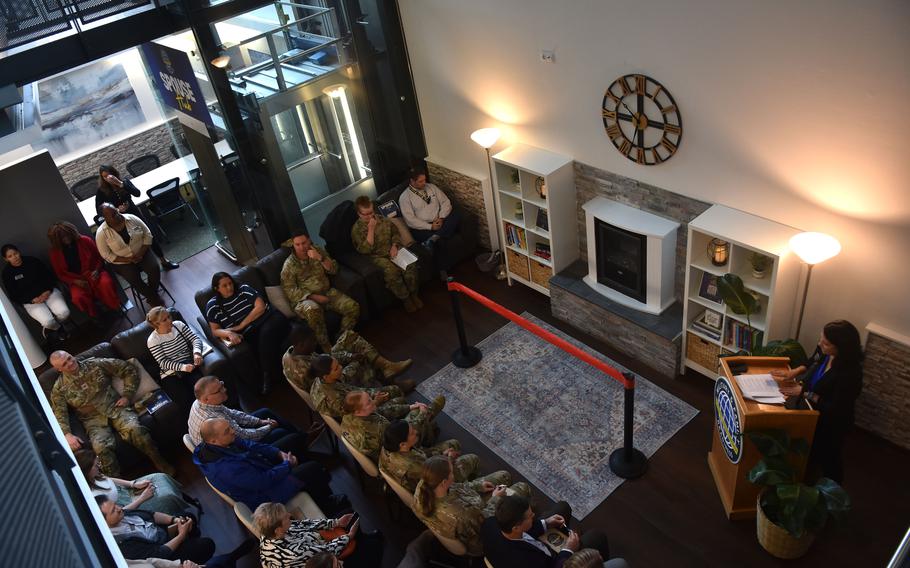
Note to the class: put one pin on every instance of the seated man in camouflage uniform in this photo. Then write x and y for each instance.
(457, 510)
(330, 387)
(305, 281)
(360, 361)
(377, 237)
(403, 461)
(86, 386)
(362, 426)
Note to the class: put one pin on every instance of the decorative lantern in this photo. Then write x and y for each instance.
(718, 252)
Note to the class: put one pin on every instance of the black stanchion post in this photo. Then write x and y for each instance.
(627, 462)
(466, 355)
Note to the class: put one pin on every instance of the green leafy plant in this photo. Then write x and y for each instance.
(789, 503)
(759, 261)
(741, 302)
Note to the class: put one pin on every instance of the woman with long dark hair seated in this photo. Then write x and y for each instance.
(239, 314)
(119, 192)
(831, 381)
(77, 264)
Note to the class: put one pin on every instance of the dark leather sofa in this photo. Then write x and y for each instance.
(267, 272)
(168, 423)
(336, 231)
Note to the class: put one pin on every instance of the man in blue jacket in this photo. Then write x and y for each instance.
(255, 473)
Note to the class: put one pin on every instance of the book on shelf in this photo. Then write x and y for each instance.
(542, 250)
(708, 289)
(741, 337)
(705, 330)
(543, 222)
(516, 236)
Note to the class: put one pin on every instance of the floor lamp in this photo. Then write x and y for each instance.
(486, 138)
(812, 248)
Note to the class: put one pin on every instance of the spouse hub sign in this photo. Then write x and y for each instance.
(174, 79)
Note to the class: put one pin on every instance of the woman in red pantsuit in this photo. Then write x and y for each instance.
(77, 264)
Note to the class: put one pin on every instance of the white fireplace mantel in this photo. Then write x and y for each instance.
(660, 247)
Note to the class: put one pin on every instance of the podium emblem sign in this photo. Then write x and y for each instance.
(726, 417)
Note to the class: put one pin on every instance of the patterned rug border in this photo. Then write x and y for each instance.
(642, 383)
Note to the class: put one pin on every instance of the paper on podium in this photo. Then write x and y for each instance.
(760, 388)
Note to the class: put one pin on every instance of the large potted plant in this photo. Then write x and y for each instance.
(789, 512)
(741, 302)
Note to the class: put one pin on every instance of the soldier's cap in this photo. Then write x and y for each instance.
(395, 434)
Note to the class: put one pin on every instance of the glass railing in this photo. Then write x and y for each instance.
(287, 55)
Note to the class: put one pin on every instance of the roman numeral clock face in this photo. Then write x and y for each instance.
(641, 119)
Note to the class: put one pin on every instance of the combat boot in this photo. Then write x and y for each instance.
(406, 385)
(392, 368)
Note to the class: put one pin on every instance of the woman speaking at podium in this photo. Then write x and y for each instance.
(831, 382)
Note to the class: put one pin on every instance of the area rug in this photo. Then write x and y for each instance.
(553, 418)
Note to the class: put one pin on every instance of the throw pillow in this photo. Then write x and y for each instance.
(279, 301)
(406, 238)
(146, 383)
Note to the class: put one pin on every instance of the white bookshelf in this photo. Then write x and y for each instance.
(776, 292)
(520, 206)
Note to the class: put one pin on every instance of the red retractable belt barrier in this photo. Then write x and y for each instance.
(543, 334)
(626, 462)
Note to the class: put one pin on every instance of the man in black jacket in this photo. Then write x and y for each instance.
(510, 537)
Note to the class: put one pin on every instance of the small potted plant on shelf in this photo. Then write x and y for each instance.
(741, 301)
(760, 264)
(516, 183)
(789, 512)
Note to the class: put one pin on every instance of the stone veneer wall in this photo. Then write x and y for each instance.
(884, 404)
(156, 140)
(591, 182)
(467, 191)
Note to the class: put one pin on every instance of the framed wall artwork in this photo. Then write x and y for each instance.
(82, 107)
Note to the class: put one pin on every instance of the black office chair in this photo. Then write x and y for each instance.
(143, 164)
(85, 188)
(165, 198)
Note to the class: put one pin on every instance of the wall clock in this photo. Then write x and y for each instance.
(642, 119)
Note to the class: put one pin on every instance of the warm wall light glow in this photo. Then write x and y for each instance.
(486, 137)
(813, 248)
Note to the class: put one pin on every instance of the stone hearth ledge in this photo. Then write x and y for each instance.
(652, 339)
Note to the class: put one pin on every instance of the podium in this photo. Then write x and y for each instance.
(732, 454)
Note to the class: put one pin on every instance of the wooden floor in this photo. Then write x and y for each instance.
(670, 517)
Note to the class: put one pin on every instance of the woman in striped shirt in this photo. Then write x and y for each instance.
(178, 352)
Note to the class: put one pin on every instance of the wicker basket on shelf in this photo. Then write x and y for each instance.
(702, 351)
(540, 274)
(518, 264)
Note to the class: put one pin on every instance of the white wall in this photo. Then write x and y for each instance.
(795, 111)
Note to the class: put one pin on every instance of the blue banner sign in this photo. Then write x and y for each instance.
(173, 77)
